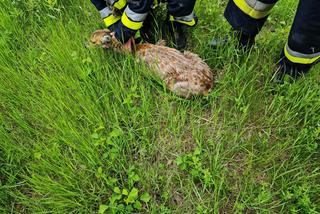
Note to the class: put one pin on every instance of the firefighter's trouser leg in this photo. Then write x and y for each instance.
(132, 19)
(303, 47)
(248, 16)
(182, 11)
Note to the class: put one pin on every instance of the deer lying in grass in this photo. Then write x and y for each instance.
(186, 74)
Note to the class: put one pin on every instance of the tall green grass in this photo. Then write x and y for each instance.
(86, 131)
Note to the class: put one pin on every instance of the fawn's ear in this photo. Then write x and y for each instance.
(106, 31)
(98, 33)
(93, 36)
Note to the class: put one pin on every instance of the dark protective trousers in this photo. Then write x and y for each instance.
(135, 12)
(176, 8)
(303, 46)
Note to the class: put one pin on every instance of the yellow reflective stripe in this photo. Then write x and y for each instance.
(129, 23)
(299, 60)
(190, 23)
(120, 4)
(242, 4)
(110, 20)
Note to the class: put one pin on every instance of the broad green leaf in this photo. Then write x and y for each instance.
(129, 209)
(125, 192)
(111, 181)
(133, 195)
(114, 197)
(137, 205)
(102, 208)
(117, 190)
(145, 197)
(135, 177)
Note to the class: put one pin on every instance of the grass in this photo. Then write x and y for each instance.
(86, 131)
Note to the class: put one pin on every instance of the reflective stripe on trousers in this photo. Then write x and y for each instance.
(133, 20)
(105, 12)
(187, 20)
(119, 4)
(254, 8)
(300, 58)
(108, 17)
(110, 20)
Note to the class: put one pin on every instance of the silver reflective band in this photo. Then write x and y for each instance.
(110, 2)
(133, 16)
(259, 6)
(187, 18)
(301, 55)
(105, 12)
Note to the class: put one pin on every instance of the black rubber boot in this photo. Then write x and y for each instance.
(150, 31)
(244, 41)
(177, 34)
(292, 70)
